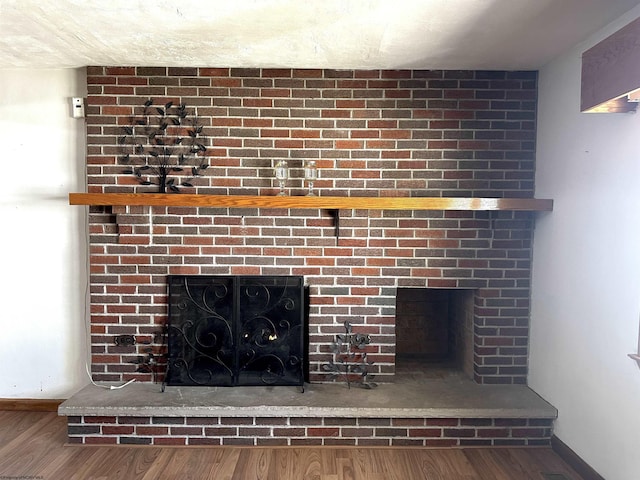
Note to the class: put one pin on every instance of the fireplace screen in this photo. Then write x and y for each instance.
(235, 330)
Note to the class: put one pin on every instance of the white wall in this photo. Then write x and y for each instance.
(43, 253)
(586, 270)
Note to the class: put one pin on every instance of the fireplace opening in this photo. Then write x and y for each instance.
(434, 330)
(236, 331)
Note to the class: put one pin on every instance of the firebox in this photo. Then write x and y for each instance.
(235, 330)
(434, 327)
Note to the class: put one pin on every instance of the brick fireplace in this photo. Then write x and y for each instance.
(372, 133)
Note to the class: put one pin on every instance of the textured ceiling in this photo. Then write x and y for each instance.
(349, 34)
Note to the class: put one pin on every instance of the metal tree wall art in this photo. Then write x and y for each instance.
(164, 146)
(350, 358)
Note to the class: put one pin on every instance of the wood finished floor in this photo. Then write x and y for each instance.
(32, 445)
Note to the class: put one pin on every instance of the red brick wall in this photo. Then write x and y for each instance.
(373, 133)
(314, 431)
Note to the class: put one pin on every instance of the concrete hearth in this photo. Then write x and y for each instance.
(444, 411)
(452, 396)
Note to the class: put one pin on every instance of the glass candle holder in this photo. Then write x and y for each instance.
(281, 172)
(310, 175)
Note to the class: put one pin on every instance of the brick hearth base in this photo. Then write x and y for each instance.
(329, 431)
(446, 412)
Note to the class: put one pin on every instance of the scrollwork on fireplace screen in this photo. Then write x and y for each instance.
(235, 330)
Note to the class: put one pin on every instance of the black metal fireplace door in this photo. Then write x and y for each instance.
(235, 330)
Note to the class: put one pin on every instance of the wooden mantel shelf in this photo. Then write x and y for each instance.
(334, 203)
